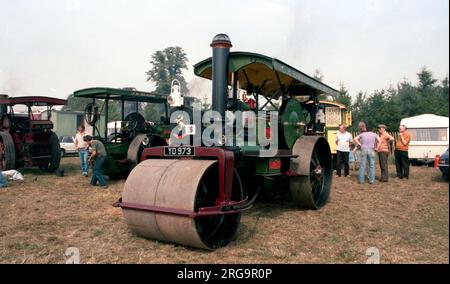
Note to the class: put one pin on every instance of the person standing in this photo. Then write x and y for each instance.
(98, 156)
(383, 152)
(83, 149)
(343, 140)
(401, 153)
(368, 142)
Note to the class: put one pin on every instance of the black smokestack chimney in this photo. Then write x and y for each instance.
(221, 45)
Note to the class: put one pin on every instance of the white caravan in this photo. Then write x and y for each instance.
(429, 137)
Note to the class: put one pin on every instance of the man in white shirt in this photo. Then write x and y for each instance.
(83, 149)
(343, 140)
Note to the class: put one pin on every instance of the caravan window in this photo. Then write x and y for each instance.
(428, 134)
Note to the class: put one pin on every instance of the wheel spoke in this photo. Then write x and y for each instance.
(315, 159)
(315, 162)
(319, 188)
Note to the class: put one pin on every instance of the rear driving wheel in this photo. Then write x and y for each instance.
(311, 187)
(7, 152)
(139, 143)
(53, 164)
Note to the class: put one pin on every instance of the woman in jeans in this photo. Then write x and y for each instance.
(368, 142)
(83, 149)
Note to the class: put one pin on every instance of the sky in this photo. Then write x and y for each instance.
(55, 47)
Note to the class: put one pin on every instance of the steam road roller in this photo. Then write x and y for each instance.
(264, 130)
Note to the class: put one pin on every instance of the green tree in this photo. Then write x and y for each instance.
(392, 115)
(153, 112)
(344, 96)
(390, 106)
(76, 104)
(407, 99)
(426, 80)
(114, 111)
(432, 96)
(382, 110)
(167, 65)
(444, 95)
(444, 86)
(359, 109)
(318, 75)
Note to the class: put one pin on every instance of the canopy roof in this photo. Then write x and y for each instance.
(267, 76)
(32, 101)
(120, 94)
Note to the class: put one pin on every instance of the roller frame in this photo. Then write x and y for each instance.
(224, 204)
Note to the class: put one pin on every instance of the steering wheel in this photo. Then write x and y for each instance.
(115, 137)
(135, 121)
(91, 114)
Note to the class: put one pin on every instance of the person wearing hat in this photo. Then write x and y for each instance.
(383, 151)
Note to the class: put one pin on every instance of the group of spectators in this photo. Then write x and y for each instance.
(367, 143)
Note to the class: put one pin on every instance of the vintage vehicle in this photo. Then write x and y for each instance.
(194, 194)
(429, 137)
(26, 140)
(126, 138)
(444, 165)
(67, 146)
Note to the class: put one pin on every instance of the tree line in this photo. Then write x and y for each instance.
(389, 106)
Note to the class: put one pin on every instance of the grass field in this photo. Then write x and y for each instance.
(407, 221)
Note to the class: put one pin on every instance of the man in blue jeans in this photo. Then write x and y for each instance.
(98, 156)
(82, 148)
(368, 141)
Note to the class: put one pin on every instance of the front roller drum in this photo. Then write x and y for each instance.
(183, 185)
(311, 184)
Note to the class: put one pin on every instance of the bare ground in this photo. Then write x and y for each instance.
(407, 221)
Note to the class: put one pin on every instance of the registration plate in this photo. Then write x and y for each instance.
(179, 151)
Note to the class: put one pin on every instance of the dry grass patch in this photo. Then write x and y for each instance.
(408, 221)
